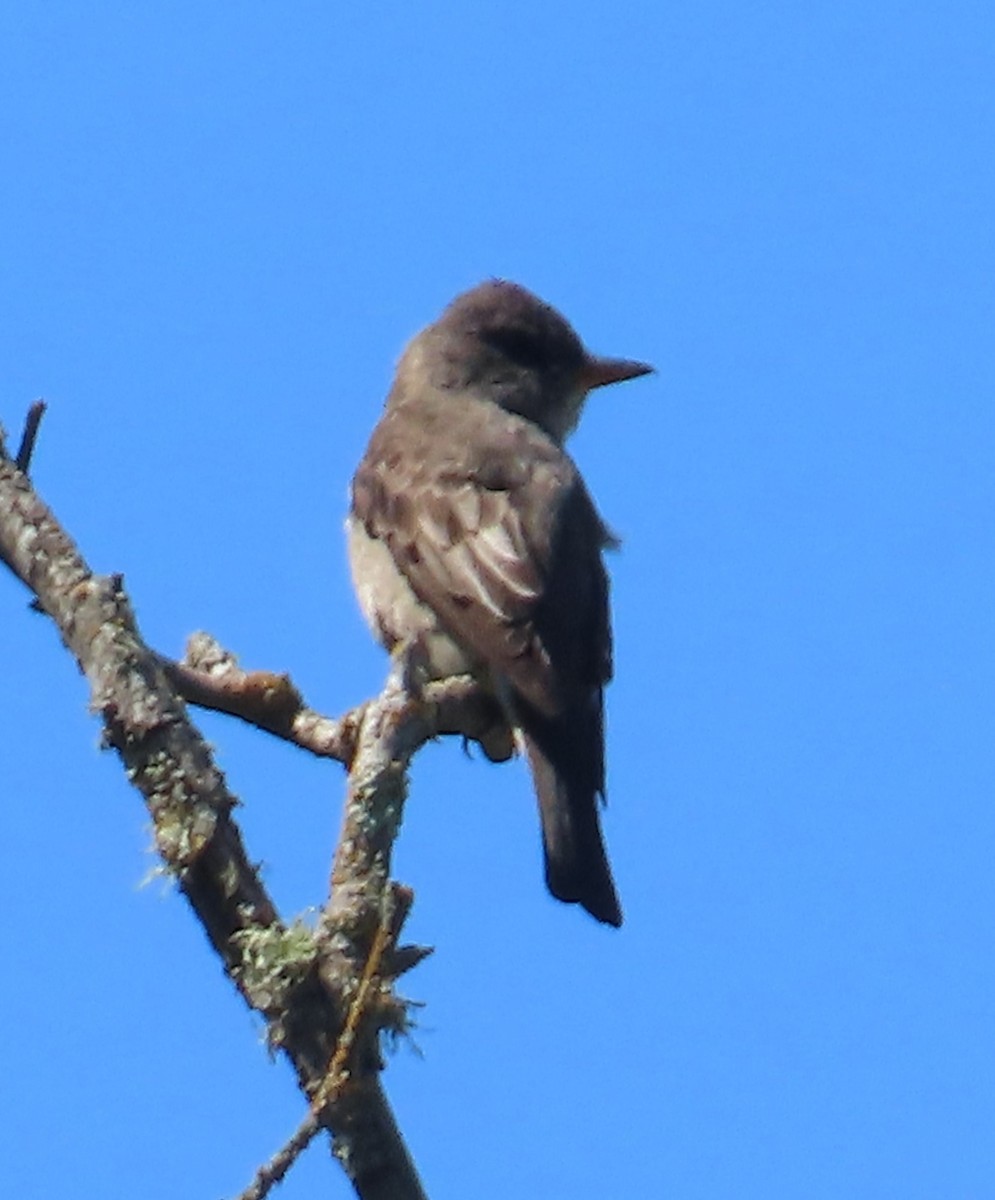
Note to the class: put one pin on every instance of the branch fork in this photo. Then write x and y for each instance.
(326, 994)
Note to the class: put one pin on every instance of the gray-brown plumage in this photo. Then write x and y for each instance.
(473, 538)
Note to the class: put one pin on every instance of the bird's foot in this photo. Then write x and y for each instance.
(412, 665)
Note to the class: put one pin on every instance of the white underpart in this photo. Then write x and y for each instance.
(393, 611)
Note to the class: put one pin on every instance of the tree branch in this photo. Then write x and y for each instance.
(210, 677)
(327, 996)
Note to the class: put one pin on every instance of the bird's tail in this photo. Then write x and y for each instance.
(565, 754)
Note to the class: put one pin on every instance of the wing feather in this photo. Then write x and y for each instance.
(502, 541)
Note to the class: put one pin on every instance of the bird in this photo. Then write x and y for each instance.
(475, 548)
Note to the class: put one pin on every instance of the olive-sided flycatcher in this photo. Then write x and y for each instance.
(474, 542)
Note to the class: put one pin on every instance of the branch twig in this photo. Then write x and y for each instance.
(209, 676)
(27, 446)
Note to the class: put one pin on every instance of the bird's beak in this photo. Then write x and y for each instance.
(597, 372)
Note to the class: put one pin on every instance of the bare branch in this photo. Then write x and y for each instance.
(306, 988)
(273, 1172)
(210, 677)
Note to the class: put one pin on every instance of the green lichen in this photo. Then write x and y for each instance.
(274, 959)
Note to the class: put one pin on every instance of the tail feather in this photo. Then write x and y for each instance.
(566, 758)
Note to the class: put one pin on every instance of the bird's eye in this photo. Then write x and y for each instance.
(520, 345)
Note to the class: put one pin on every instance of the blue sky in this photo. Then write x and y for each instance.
(218, 226)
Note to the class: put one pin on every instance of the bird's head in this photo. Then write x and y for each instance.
(502, 344)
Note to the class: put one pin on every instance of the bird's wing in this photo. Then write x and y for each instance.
(504, 544)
